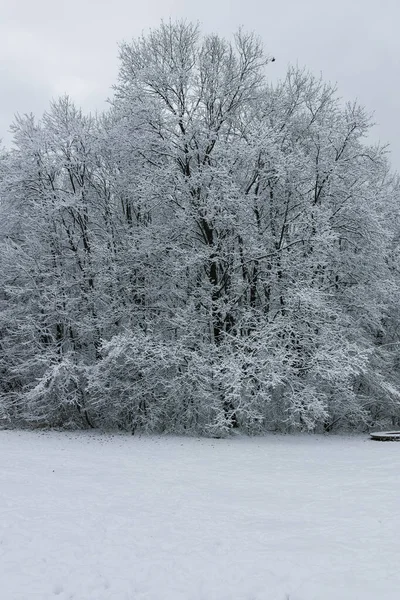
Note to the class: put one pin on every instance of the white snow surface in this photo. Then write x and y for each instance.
(88, 516)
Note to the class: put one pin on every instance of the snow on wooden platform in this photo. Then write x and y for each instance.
(94, 517)
(386, 436)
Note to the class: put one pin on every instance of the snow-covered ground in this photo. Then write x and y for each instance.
(95, 517)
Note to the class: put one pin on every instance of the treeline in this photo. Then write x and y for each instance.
(212, 252)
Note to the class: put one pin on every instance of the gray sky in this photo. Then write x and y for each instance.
(51, 47)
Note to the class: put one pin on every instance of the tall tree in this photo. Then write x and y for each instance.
(213, 252)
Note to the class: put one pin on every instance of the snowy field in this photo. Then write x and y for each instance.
(95, 517)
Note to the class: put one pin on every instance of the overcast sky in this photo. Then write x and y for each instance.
(51, 47)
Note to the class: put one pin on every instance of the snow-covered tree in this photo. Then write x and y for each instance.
(213, 252)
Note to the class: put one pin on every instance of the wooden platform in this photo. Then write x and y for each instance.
(386, 436)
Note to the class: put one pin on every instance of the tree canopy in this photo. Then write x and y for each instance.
(212, 252)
